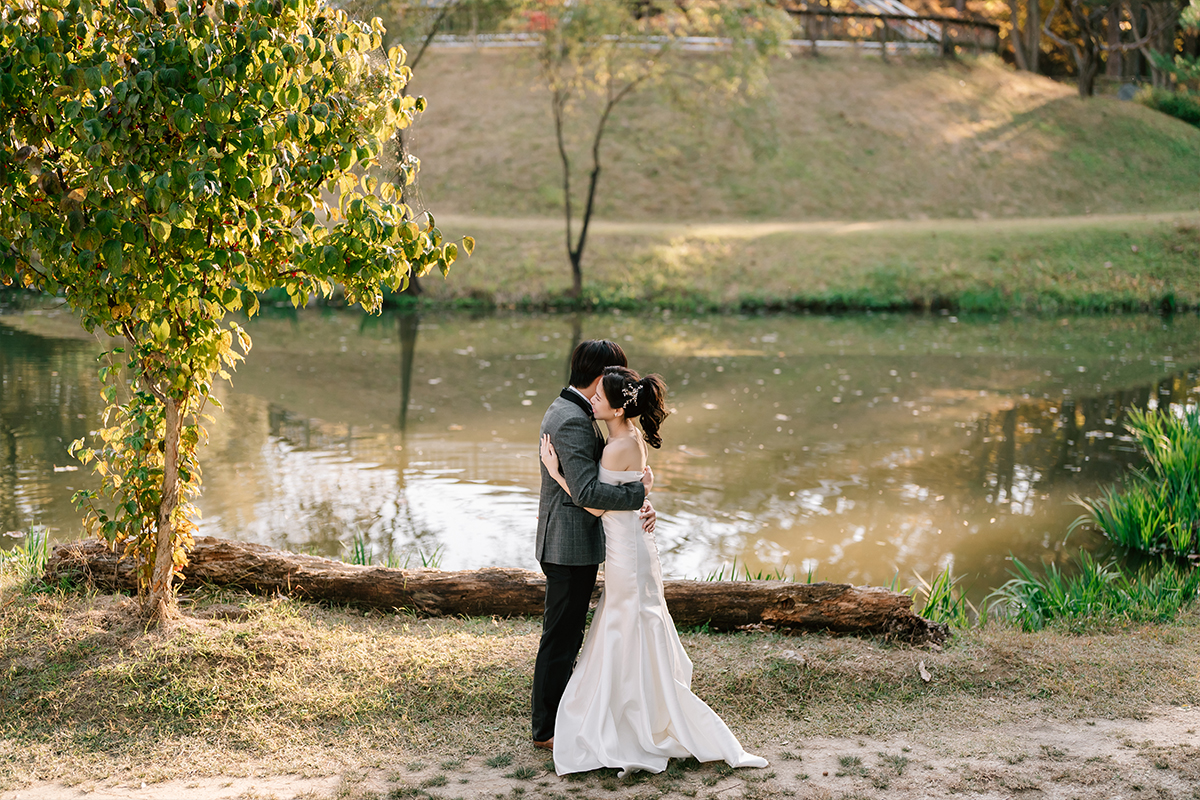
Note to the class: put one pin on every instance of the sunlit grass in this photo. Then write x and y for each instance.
(26, 563)
(1127, 266)
(289, 686)
(361, 554)
(839, 137)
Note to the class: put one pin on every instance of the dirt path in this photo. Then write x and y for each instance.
(752, 230)
(1155, 757)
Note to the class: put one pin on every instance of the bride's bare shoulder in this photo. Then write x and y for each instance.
(622, 454)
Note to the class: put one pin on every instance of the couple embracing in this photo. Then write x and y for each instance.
(626, 703)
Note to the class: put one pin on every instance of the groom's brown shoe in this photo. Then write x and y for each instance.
(546, 745)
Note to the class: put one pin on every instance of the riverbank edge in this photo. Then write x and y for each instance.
(1092, 265)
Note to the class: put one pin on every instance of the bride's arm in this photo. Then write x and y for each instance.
(550, 459)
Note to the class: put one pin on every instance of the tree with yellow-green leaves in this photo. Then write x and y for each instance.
(593, 56)
(159, 165)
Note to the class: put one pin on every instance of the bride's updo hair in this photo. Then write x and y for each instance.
(644, 398)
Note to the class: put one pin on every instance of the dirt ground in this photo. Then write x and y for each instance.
(1154, 757)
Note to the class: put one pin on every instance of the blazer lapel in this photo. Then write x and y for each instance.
(576, 398)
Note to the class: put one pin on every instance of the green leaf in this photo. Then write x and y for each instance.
(160, 330)
(160, 229)
(243, 187)
(468, 244)
(183, 119)
(113, 252)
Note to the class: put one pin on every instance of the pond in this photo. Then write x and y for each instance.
(862, 448)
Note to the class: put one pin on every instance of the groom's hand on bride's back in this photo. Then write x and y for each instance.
(647, 479)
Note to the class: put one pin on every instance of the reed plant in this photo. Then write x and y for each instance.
(1158, 509)
(28, 561)
(944, 601)
(744, 574)
(363, 555)
(1097, 592)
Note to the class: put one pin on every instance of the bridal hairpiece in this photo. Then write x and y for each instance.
(631, 391)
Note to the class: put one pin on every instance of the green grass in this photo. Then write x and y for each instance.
(837, 138)
(1089, 267)
(1158, 509)
(733, 574)
(1096, 595)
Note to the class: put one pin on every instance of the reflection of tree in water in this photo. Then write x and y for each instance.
(1037, 446)
(49, 396)
(388, 527)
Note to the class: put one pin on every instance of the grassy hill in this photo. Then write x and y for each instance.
(840, 137)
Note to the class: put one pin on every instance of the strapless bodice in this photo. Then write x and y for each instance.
(616, 477)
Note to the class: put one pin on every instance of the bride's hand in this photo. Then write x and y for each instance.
(648, 478)
(549, 457)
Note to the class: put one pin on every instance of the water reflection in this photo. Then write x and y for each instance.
(859, 446)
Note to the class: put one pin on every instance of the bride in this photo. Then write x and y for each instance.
(628, 703)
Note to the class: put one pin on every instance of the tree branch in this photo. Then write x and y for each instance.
(159, 395)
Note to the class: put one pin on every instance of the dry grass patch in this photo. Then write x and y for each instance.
(285, 687)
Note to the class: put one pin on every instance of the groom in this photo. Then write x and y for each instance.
(570, 541)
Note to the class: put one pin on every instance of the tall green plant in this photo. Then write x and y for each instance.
(1158, 510)
(944, 600)
(1096, 592)
(159, 164)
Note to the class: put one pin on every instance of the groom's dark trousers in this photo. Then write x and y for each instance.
(568, 592)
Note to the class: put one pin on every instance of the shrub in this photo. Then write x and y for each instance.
(1182, 104)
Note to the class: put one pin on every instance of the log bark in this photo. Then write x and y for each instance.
(722, 605)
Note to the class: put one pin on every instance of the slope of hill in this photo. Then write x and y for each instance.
(841, 137)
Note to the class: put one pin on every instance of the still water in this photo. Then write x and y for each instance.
(860, 448)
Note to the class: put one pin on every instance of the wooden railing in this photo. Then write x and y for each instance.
(886, 33)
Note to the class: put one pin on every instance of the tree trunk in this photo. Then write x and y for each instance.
(1112, 64)
(161, 600)
(1088, 67)
(1033, 40)
(576, 257)
(1018, 41)
(722, 605)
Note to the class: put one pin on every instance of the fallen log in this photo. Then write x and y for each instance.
(722, 605)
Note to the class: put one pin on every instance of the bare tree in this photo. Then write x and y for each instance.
(595, 55)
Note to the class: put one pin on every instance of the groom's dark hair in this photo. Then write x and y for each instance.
(592, 357)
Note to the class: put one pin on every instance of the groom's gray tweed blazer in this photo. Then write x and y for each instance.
(566, 533)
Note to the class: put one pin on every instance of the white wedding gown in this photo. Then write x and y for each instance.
(628, 703)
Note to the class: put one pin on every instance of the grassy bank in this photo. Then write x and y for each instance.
(841, 137)
(247, 685)
(1125, 264)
